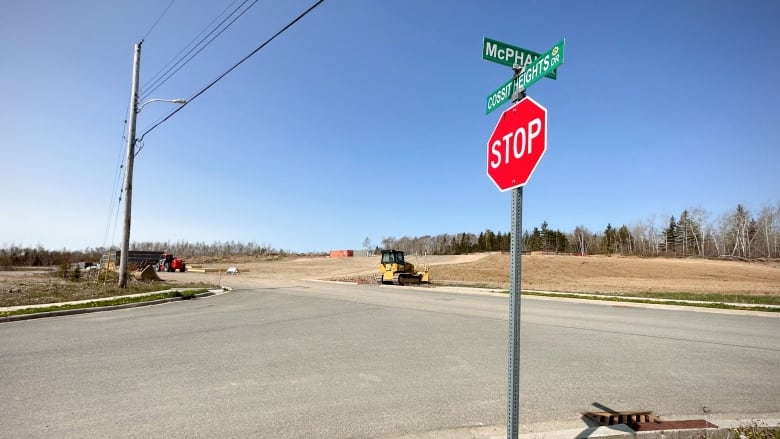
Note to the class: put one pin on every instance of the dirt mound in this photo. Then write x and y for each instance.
(147, 273)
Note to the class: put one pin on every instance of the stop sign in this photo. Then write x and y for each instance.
(517, 144)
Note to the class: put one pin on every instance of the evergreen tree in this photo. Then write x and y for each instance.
(482, 246)
(610, 239)
(671, 236)
(490, 241)
(625, 241)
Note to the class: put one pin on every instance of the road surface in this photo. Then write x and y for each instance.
(315, 359)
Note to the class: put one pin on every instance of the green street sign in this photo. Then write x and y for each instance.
(533, 72)
(509, 55)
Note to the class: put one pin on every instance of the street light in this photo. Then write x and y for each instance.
(175, 101)
(128, 191)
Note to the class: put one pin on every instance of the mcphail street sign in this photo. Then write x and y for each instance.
(509, 55)
(546, 63)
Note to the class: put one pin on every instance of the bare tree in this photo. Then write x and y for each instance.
(776, 231)
(641, 239)
(388, 242)
(768, 225)
(582, 239)
(698, 228)
(734, 231)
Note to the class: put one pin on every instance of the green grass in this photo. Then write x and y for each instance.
(728, 298)
(722, 301)
(757, 430)
(187, 294)
(696, 301)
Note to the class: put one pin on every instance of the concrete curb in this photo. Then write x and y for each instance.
(596, 299)
(725, 430)
(86, 310)
(629, 299)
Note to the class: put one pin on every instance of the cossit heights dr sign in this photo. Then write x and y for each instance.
(544, 65)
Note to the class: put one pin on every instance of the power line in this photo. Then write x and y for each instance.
(163, 79)
(168, 64)
(211, 84)
(147, 93)
(158, 20)
(117, 177)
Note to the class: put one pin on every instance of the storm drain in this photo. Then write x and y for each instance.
(645, 421)
(615, 418)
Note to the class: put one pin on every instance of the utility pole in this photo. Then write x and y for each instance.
(128, 192)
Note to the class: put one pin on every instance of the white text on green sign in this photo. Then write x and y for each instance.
(532, 73)
(509, 55)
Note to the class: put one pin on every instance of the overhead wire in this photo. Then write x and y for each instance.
(182, 62)
(212, 83)
(119, 175)
(158, 20)
(160, 72)
(116, 189)
(156, 84)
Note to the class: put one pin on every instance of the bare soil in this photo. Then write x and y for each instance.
(615, 274)
(30, 287)
(589, 274)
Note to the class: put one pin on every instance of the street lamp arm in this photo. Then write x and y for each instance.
(141, 138)
(174, 101)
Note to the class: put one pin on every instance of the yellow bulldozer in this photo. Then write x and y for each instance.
(393, 269)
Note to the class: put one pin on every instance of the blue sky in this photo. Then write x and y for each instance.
(367, 118)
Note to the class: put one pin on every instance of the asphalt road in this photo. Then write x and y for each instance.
(335, 361)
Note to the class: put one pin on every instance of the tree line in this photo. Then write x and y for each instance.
(738, 233)
(694, 232)
(16, 256)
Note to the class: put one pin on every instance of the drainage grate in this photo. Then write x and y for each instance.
(645, 421)
(615, 418)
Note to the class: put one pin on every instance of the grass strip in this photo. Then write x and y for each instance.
(187, 294)
(718, 301)
(716, 297)
(717, 305)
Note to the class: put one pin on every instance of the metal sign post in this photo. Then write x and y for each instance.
(513, 150)
(515, 271)
(513, 369)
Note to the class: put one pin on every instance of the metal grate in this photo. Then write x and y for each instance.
(644, 421)
(615, 418)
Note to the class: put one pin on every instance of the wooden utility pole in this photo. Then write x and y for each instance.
(128, 191)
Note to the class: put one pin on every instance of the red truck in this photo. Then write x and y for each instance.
(170, 264)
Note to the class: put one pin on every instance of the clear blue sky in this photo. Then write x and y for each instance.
(367, 118)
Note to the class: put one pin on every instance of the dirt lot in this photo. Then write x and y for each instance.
(591, 274)
(599, 274)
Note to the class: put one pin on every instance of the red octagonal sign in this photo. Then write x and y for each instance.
(517, 144)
